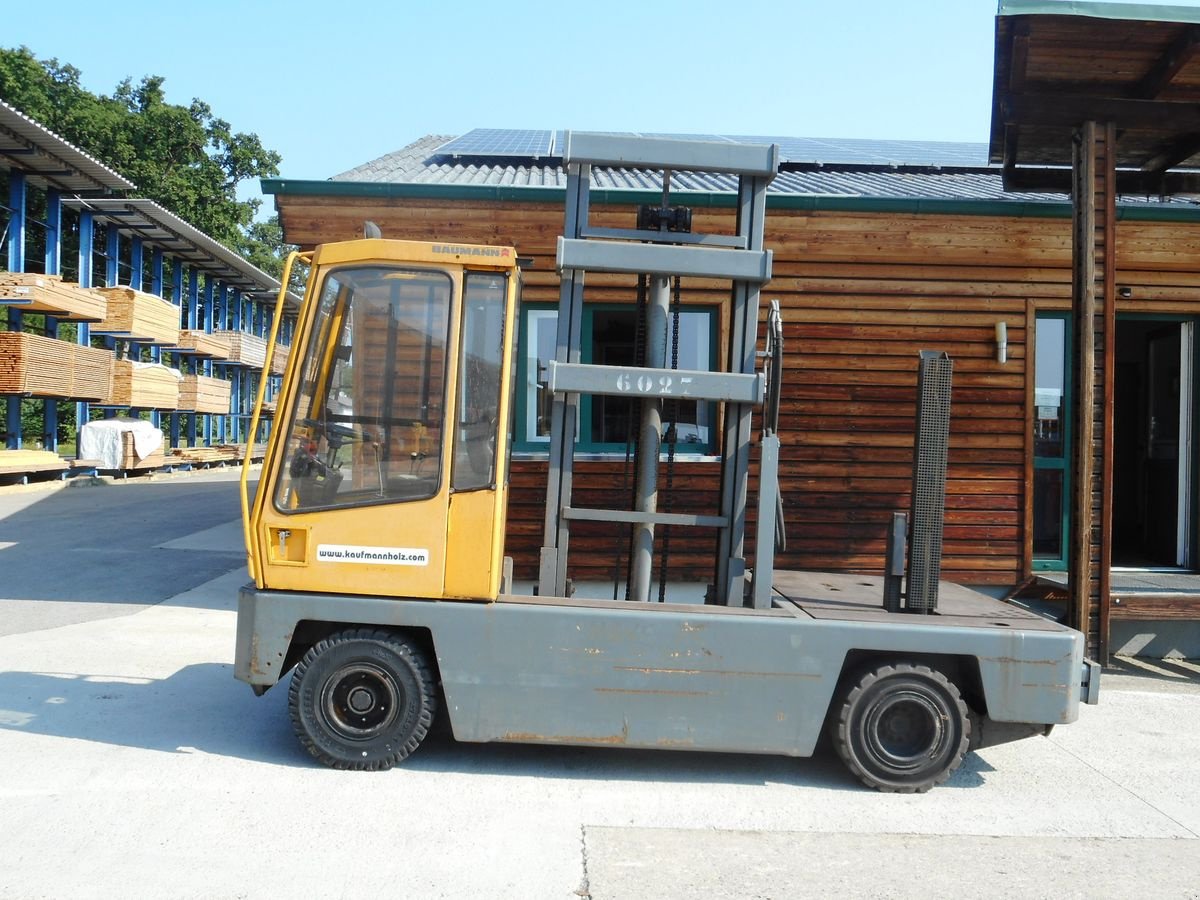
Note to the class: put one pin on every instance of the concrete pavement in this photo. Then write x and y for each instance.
(134, 765)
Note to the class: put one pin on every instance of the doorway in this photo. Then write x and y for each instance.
(1152, 440)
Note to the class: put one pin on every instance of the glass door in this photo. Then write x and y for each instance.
(1051, 440)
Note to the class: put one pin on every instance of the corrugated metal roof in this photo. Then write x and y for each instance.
(419, 163)
(44, 156)
(161, 228)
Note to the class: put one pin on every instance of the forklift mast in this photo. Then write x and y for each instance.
(663, 247)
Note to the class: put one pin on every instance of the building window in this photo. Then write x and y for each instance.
(605, 423)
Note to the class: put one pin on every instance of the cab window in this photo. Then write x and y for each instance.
(368, 426)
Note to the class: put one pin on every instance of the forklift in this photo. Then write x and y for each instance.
(375, 539)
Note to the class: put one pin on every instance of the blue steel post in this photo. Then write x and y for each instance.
(135, 281)
(268, 318)
(112, 258)
(16, 263)
(177, 300)
(156, 288)
(137, 276)
(193, 319)
(53, 267)
(209, 326)
(235, 395)
(87, 239)
(223, 316)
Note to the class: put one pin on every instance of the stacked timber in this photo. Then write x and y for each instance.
(129, 457)
(256, 451)
(21, 462)
(50, 295)
(199, 393)
(200, 343)
(245, 349)
(143, 386)
(35, 365)
(91, 373)
(279, 358)
(138, 316)
(203, 456)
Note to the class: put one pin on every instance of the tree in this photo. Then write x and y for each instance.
(183, 157)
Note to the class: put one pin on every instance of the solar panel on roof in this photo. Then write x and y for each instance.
(499, 142)
(857, 151)
(541, 143)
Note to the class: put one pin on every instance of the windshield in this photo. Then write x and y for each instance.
(368, 426)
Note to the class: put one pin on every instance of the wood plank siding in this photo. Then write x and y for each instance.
(861, 294)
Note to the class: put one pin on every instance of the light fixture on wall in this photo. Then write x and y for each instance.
(1001, 342)
(1124, 292)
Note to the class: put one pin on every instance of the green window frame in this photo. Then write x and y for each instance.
(538, 329)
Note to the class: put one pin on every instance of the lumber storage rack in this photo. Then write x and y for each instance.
(660, 248)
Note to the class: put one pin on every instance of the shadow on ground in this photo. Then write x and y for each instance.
(100, 542)
(202, 708)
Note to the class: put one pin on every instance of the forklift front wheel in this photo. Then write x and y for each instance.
(902, 727)
(362, 698)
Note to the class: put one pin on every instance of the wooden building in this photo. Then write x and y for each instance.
(881, 249)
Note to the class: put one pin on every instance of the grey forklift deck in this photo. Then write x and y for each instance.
(827, 595)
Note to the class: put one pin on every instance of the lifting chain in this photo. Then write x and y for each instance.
(672, 407)
(632, 437)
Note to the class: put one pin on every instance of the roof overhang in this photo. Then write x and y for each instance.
(1060, 64)
(51, 162)
(164, 230)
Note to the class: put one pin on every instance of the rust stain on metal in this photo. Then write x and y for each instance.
(255, 667)
(1013, 661)
(655, 670)
(530, 737)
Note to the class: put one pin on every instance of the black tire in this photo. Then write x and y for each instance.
(362, 699)
(902, 728)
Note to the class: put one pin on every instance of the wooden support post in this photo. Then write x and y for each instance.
(1093, 308)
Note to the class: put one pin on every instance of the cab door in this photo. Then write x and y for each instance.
(355, 495)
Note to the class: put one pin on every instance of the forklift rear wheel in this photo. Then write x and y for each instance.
(902, 727)
(362, 699)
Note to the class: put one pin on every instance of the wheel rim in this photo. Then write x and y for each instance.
(905, 731)
(360, 701)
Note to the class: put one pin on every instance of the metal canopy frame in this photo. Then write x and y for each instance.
(660, 256)
(49, 161)
(160, 228)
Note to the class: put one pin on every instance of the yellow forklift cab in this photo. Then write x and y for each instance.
(388, 476)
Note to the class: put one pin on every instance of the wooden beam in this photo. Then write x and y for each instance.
(1083, 306)
(1175, 151)
(1182, 50)
(1019, 58)
(1106, 161)
(1180, 607)
(1071, 110)
(1058, 180)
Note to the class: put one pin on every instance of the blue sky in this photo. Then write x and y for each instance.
(329, 92)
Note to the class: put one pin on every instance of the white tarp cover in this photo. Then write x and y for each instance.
(101, 440)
